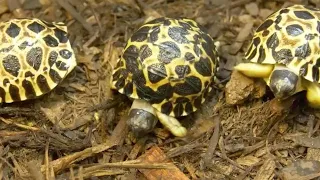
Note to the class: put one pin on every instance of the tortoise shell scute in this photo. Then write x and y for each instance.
(167, 60)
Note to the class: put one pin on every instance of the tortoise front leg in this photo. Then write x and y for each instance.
(255, 70)
(172, 124)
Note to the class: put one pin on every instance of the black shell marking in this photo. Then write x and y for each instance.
(36, 27)
(50, 41)
(156, 72)
(61, 35)
(65, 53)
(29, 90)
(54, 75)
(294, 30)
(168, 51)
(303, 15)
(14, 92)
(34, 57)
(13, 30)
(43, 84)
(12, 65)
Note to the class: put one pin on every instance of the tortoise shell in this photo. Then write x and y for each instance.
(289, 36)
(169, 63)
(35, 56)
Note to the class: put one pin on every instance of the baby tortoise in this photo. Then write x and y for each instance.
(167, 68)
(285, 52)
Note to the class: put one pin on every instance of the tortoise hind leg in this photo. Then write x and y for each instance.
(313, 94)
(255, 70)
(172, 124)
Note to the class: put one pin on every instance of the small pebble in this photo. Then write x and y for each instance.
(270, 5)
(246, 18)
(252, 9)
(264, 13)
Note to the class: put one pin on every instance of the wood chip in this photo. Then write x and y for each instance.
(301, 170)
(242, 36)
(315, 1)
(218, 2)
(120, 131)
(3, 6)
(190, 168)
(51, 113)
(135, 151)
(266, 171)
(162, 133)
(246, 18)
(156, 155)
(45, 2)
(148, 11)
(248, 160)
(213, 142)
(65, 161)
(75, 14)
(304, 140)
(31, 4)
(232, 148)
(131, 3)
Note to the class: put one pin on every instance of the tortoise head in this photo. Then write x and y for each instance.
(142, 118)
(284, 83)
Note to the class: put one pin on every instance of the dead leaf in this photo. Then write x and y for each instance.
(156, 155)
